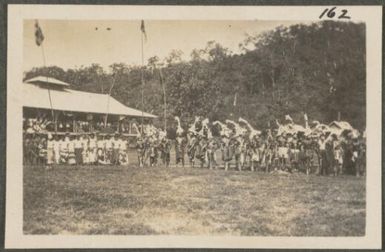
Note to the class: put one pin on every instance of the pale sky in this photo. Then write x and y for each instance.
(70, 44)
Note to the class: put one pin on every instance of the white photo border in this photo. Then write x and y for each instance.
(14, 237)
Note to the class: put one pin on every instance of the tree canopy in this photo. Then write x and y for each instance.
(318, 69)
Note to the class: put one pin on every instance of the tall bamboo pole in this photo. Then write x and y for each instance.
(142, 79)
(164, 98)
(108, 101)
(49, 90)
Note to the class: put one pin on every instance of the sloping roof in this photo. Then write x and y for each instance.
(337, 127)
(35, 96)
(341, 125)
(48, 81)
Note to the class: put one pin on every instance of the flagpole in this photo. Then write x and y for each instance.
(142, 79)
(108, 102)
(164, 99)
(235, 109)
(49, 90)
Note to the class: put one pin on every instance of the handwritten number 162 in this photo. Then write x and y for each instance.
(330, 13)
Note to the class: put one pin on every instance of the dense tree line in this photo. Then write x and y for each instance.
(318, 69)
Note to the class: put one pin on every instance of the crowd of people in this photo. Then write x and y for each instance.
(45, 124)
(79, 149)
(289, 148)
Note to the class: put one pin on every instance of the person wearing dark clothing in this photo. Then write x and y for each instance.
(361, 160)
(348, 165)
(191, 149)
(322, 156)
(329, 165)
(165, 147)
(180, 150)
(153, 149)
(359, 157)
(201, 151)
(140, 150)
(79, 150)
(227, 153)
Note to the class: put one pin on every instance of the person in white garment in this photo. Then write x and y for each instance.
(108, 144)
(71, 151)
(101, 145)
(56, 149)
(64, 150)
(84, 140)
(92, 151)
(50, 151)
(123, 157)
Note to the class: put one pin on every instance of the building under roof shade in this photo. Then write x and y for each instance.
(35, 95)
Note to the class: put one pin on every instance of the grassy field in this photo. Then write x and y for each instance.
(186, 201)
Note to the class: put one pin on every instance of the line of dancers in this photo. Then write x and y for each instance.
(290, 147)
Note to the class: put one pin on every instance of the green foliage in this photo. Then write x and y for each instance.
(318, 69)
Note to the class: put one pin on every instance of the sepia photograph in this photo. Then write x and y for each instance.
(194, 127)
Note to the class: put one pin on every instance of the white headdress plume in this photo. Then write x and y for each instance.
(238, 129)
(179, 129)
(225, 131)
(288, 118)
(162, 134)
(205, 125)
(253, 132)
(193, 126)
(136, 129)
(150, 130)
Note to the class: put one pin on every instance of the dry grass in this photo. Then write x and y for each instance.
(186, 201)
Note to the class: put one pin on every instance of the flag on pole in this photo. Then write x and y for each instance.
(143, 29)
(39, 37)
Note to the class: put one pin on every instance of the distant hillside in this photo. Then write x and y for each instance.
(318, 69)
